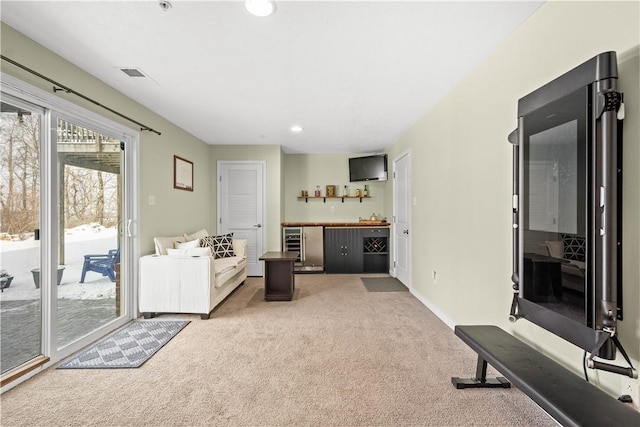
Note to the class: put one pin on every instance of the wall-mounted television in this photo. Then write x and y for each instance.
(567, 236)
(368, 168)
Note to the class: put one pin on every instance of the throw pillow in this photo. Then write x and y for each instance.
(189, 252)
(221, 246)
(197, 235)
(573, 247)
(163, 243)
(187, 245)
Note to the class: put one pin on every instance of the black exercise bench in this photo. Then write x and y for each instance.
(569, 399)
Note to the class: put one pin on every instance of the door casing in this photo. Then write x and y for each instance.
(253, 229)
(402, 218)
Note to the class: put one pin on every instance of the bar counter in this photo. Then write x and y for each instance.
(337, 224)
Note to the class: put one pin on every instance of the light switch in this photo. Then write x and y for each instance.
(152, 200)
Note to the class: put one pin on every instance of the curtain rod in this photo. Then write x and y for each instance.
(59, 87)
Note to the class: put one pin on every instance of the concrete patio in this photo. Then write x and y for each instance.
(82, 307)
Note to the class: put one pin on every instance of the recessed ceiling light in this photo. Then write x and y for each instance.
(260, 8)
(296, 128)
(164, 5)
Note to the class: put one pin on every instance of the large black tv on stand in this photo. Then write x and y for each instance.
(567, 179)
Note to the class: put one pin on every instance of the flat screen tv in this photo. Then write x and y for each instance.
(368, 168)
(567, 206)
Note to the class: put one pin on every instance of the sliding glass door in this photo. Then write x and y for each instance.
(67, 228)
(89, 165)
(21, 127)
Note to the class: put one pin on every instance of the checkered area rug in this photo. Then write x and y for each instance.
(129, 347)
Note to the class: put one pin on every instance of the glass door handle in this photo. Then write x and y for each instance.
(129, 228)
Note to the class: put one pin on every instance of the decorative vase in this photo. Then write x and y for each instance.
(6, 282)
(36, 276)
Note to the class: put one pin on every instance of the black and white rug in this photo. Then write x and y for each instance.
(383, 284)
(128, 347)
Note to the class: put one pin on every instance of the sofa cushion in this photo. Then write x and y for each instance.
(579, 264)
(222, 265)
(162, 243)
(555, 248)
(197, 235)
(225, 270)
(221, 246)
(240, 247)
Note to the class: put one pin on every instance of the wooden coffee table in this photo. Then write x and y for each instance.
(279, 277)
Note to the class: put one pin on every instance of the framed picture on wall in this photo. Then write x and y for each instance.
(182, 174)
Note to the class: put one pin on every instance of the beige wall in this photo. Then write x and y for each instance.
(175, 211)
(306, 171)
(169, 216)
(461, 173)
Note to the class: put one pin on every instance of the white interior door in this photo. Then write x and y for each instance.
(402, 218)
(241, 207)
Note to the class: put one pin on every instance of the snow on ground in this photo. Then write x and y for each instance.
(95, 286)
(20, 257)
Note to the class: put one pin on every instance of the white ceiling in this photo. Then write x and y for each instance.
(355, 75)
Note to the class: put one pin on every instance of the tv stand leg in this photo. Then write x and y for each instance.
(480, 380)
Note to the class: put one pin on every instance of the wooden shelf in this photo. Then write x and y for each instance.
(324, 198)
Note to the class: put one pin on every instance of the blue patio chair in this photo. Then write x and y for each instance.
(101, 263)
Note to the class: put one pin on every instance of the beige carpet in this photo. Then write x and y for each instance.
(336, 355)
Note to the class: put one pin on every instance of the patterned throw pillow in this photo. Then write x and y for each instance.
(221, 246)
(573, 247)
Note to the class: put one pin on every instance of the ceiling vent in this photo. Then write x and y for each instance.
(132, 72)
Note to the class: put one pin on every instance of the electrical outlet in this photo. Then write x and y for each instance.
(631, 387)
(333, 208)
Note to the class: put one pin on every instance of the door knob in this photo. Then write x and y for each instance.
(405, 231)
(258, 225)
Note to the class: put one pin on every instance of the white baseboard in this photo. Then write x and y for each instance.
(433, 309)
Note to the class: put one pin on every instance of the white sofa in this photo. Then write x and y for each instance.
(183, 283)
(555, 249)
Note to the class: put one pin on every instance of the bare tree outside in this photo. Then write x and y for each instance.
(20, 176)
(90, 196)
